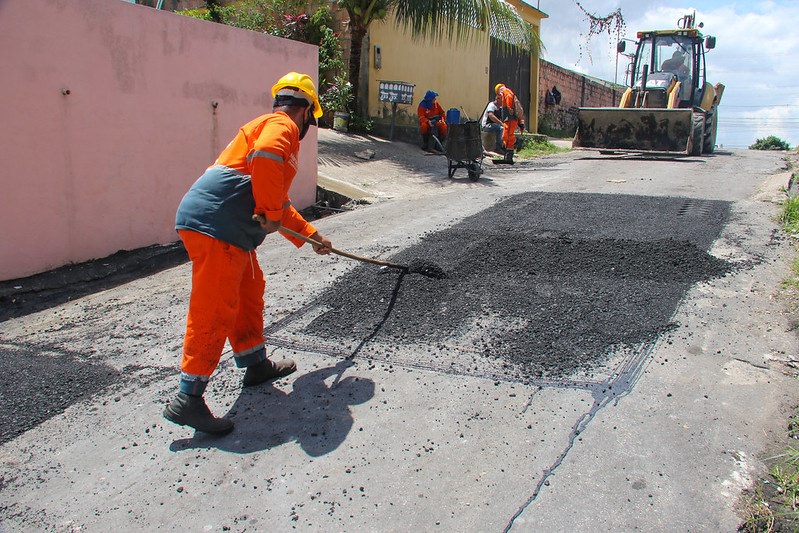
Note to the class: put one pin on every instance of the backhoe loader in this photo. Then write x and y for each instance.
(669, 107)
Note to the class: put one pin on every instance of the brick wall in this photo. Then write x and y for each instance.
(576, 90)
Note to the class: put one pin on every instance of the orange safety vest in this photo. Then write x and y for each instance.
(426, 114)
(252, 175)
(510, 106)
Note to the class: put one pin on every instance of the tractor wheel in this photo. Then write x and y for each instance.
(711, 127)
(697, 133)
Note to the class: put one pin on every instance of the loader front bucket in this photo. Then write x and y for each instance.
(636, 129)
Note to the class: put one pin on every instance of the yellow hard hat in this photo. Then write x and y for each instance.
(497, 87)
(298, 85)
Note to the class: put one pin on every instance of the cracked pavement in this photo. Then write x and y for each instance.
(572, 374)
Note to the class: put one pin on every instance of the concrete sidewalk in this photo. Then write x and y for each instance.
(372, 169)
(369, 168)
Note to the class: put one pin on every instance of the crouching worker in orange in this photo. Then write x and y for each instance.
(216, 222)
(512, 115)
(431, 115)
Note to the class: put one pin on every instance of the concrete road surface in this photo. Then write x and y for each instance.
(382, 430)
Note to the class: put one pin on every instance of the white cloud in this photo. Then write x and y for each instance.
(756, 57)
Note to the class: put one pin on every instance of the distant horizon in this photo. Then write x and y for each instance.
(733, 134)
(736, 137)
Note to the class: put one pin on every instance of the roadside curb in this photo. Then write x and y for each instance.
(347, 189)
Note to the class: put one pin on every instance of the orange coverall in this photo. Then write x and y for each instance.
(510, 121)
(424, 120)
(251, 176)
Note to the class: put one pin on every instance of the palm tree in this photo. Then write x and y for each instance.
(437, 19)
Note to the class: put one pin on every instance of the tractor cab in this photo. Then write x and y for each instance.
(666, 61)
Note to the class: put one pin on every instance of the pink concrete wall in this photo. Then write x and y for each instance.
(102, 168)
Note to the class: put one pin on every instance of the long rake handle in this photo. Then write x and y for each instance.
(341, 252)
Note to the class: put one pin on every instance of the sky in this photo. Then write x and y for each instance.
(756, 55)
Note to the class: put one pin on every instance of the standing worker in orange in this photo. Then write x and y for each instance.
(512, 115)
(221, 220)
(431, 115)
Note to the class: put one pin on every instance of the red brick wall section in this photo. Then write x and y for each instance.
(576, 90)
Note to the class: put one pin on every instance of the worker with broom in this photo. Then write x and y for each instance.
(215, 221)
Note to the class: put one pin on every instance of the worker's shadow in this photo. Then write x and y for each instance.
(315, 414)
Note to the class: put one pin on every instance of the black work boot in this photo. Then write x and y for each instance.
(266, 370)
(426, 142)
(509, 156)
(186, 410)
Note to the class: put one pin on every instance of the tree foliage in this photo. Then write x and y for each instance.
(440, 20)
(288, 19)
(453, 20)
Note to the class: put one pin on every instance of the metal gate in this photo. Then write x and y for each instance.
(510, 66)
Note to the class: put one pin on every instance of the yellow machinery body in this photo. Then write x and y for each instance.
(668, 106)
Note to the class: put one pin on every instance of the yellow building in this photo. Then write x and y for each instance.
(462, 73)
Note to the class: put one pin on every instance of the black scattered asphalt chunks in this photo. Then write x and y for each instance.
(541, 285)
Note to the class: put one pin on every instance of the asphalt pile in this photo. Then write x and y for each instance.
(541, 286)
(40, 382)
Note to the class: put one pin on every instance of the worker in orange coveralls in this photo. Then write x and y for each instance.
(431, 114)
(512, 115)
(218, 222)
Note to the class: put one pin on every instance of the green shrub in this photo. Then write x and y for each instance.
(771, 142)
(288, 19)
(331, 62)
(218, 14)
(790, 215)
(537, 147)
(359, 124)
(338, 95)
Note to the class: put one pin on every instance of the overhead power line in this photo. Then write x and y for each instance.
(759, 106)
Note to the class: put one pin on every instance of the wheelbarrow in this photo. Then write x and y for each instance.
(464, 149)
